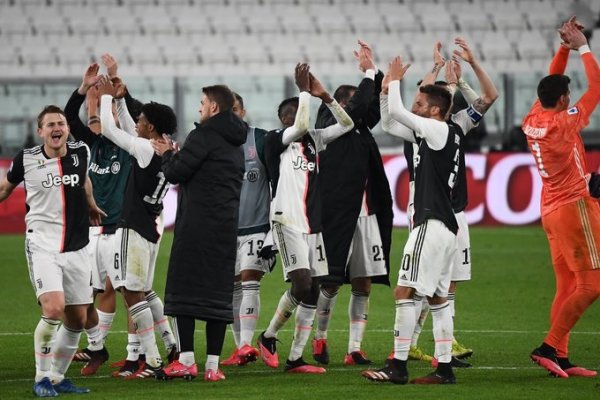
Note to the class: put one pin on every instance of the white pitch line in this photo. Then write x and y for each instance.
(481, 331)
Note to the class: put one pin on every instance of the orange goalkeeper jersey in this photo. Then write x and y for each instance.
(554, 139)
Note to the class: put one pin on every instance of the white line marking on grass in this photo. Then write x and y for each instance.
(482, 331)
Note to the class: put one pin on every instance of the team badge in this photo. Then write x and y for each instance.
(572, 111)
(115, 167)
(75, 160)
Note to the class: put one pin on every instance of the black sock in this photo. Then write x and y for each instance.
(444, 369)
(185, 332)
(564, 363)
(547, 350)
(215, 336)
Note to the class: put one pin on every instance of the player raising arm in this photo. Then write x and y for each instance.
(570, 216)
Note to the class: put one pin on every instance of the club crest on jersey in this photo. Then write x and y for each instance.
(67, 180)
(303, 164)
(311, 148)
(75, 160)
(572, 111)
(41, 164)
(115, 167)
(252, 175)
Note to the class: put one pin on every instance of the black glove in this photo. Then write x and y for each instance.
(594, 185)
(268, 257)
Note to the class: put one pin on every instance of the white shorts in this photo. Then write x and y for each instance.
(135, 259)
(247, 257)
(102, 254)
(366, 256)
(428, 258)
(461, 269)
(300, 250)
(70, 272)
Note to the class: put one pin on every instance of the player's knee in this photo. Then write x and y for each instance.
(403, 293)
(330, 289)
(362, 285)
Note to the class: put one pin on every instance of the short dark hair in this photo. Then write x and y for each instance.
(439, 83)
(161, 116)
(551, 88)
(285, 107)
(438, 96)
(221, 95)
(343, 93)
(50, 109)
(238, 98)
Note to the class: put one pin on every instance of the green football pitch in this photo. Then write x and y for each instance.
(502, 314)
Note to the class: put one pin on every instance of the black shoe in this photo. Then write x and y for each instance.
(457, 363)
(435, 378)
(357, 358)
(300, 366)
(394, 371)
(268, 350)
(548, 361)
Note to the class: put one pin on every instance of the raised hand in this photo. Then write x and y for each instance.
(574, 37)
(573, 24)
(111, 64)
(120, 88)
(457, 68)
(397, 69)
(90, 78)
(105, 86)
(163, 145)
(364, 56)
(302, 77)
(317, 89)
(385, 83)
(465, 51)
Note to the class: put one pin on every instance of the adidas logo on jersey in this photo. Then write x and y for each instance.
(67, 180)
(303, 164)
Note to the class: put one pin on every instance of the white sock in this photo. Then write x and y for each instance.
(325, 306)
(421, 313)
(187, 358)
(212, 362)
(67, 341)
(358, 312)
(285, 309)
(142, 320)
(404, 326)
(133, 346)
(94, 338)
(161, 322)
(305, 316)
(44, 338)
(105, 321)
(249, 311)
(237, 301)
(443, 328)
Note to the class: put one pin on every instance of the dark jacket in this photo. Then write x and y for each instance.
(344, 167)
(209, 170)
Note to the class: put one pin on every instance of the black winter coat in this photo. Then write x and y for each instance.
(209, 170)
(344, 167)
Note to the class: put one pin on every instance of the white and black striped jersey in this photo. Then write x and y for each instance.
(293, 170)
(57, 209)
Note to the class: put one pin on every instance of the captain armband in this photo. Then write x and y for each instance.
(474, 114)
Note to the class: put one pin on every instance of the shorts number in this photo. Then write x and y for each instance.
(116, 261)
(405, 262)
(378, 253)
(320, 250)
(259, 245)
(466, 252)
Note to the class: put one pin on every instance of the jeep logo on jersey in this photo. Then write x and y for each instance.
(67, 180)
(115, 167)
(252, 175)
(303, 164)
